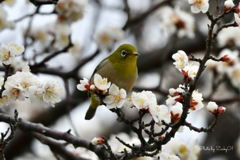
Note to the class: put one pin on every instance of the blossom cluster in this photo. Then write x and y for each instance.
(229, 65)
(237, 15)
(70, 10)
(187, 69)
(23, 84)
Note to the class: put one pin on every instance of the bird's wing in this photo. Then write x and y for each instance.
(99, 66)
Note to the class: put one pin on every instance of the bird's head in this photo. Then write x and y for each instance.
(125, 53)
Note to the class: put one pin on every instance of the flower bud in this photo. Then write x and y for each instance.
(93, 87)
(228, 5)
(97, 141)
(221, 110)
(212, 107)
(176, 112)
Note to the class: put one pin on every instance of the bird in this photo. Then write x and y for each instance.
(119, 68)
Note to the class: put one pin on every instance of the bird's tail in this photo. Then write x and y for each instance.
(92, 108)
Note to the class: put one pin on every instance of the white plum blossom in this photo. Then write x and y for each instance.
(229, 36)
(181, 59)
(62, 32)
(8, 53)
(84, 85)
(70, 10)
(52, 92)
(199, 5)
(106, 37)
(211, 64)
(116, 97)
(141, 100)
(97, 140)
(101, 83)
(159, 113)
(174, 95)
(190, 71)
(212, 107)
(1, 81)
(196, 101)
(176, 21)
(234, 75)
(228, 4)
(128, 102)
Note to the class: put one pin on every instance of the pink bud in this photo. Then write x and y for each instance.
(97, 141)
(221, 110)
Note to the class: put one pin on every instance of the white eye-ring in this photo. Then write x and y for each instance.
(123, 53)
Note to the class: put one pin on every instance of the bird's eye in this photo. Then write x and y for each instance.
(123, 53)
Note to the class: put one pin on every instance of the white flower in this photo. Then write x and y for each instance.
(176, 21)
(17, 85)
(228, 4)
(3, 101)
(231, 57)
(20, 65)
(36, 95)
(159, 113)
(70, 10)
(229, 36)
(105, 38)
(62, 32)
(176, 112)
(190, 71)
(196, 101)
(8, 53)
(97, 140)
(84, 85)
(101, 83)
(3, 20)
(128, 102)
(212, 107)
(237, 18)
(199, 5)
(142, 99)
(167, 156)
(116, 97)
(52, 92)
(234, 75)
(181, 59)
(211, 64)
(16, 49)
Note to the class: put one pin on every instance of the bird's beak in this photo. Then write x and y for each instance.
(134, 54)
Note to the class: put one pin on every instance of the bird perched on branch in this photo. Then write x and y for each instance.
(119, 68)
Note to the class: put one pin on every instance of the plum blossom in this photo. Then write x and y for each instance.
(84, 85)
(116, 97)
(176, 112)
(101, 83)
(190, 71)
(181, 59)
(229, 36)
(231, 57)
(196, 101)
(159, 113)
(199, 5)
(234, 75)
(142, 99)
(8, 53)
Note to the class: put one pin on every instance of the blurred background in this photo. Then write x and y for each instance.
(158, 29)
